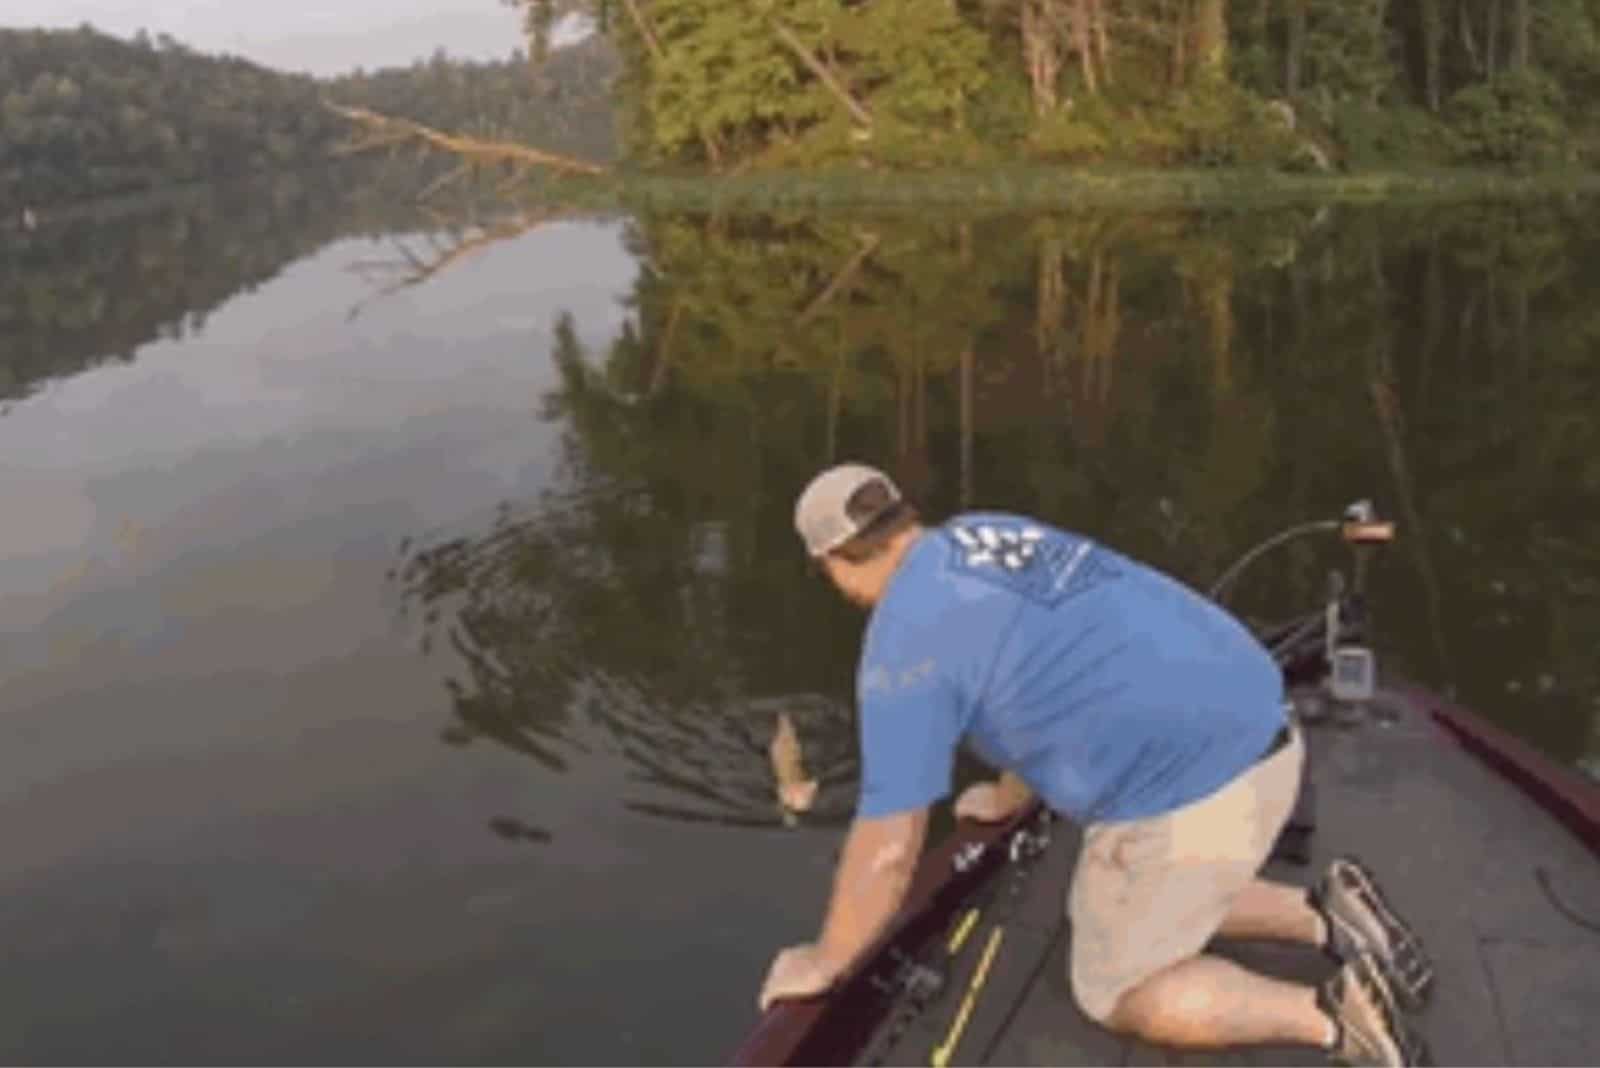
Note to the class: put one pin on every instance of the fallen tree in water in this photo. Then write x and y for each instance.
(474, 152)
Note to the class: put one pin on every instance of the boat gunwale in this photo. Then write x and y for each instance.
(787, 1031)
(1559, 789)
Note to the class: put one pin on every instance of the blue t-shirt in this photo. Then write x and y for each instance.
(1112, 690)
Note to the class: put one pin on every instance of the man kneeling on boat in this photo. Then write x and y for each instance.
(1129, 704)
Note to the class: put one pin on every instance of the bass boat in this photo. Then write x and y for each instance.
(1487, 846)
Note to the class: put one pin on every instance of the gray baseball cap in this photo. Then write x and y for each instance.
(822, 516)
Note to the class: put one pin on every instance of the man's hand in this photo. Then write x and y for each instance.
(993, 802)
(797, 972)
(875, 869)
(982, 802)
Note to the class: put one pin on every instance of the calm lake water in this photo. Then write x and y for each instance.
(392, 619)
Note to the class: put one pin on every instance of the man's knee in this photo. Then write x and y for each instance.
(1127, 1003)
(1095, 995)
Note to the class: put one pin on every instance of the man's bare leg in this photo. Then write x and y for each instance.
(1277, 911)
(1209, 1002)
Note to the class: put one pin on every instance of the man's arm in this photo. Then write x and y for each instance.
(875, 871)
(911, 721)
(880, 855)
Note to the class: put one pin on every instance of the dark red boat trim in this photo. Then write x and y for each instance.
(1567, 795)
(834, 1028)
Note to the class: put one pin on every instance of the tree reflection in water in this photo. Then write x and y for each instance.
(1178, 385)
(589, 623)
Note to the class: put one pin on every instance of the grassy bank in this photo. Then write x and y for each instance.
(1035, 187)
(1050, 187)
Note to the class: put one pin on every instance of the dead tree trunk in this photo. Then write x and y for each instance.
(1082, 37)
(1041, 51)
(1261, 23)
(1102, 39)
(1176, 16)
(1432, 48)
(1294, 51)
(1211, 38)
(1469, 42)
(1521, 32)
(857, 110)
(1492, 38)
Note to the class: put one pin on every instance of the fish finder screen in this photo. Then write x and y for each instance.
(1353, 674)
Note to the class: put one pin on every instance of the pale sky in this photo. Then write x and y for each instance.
(324, 37)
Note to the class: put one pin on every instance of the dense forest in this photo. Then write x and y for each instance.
(1297, 83)
(84, 114)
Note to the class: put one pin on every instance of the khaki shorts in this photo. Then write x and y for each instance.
(1149, 893)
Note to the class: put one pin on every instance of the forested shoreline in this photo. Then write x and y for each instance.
(1299, 84)
(691, 87)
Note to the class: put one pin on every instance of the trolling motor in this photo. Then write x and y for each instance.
(1327, 645)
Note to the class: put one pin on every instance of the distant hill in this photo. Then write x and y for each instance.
(84, 114)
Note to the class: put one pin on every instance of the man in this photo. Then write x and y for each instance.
(1128, 703)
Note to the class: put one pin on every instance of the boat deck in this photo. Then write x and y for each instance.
(1506, 899)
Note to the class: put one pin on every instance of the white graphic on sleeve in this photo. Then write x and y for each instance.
(885, 680)
(877, 680)
(1007, 548)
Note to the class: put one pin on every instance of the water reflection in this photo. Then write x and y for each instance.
(1179, 384)
(418, 258)
(638, 617)
(601, 620)
(514, 830)
(94, 287)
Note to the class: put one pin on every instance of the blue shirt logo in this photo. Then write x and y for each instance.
(1027, 558)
